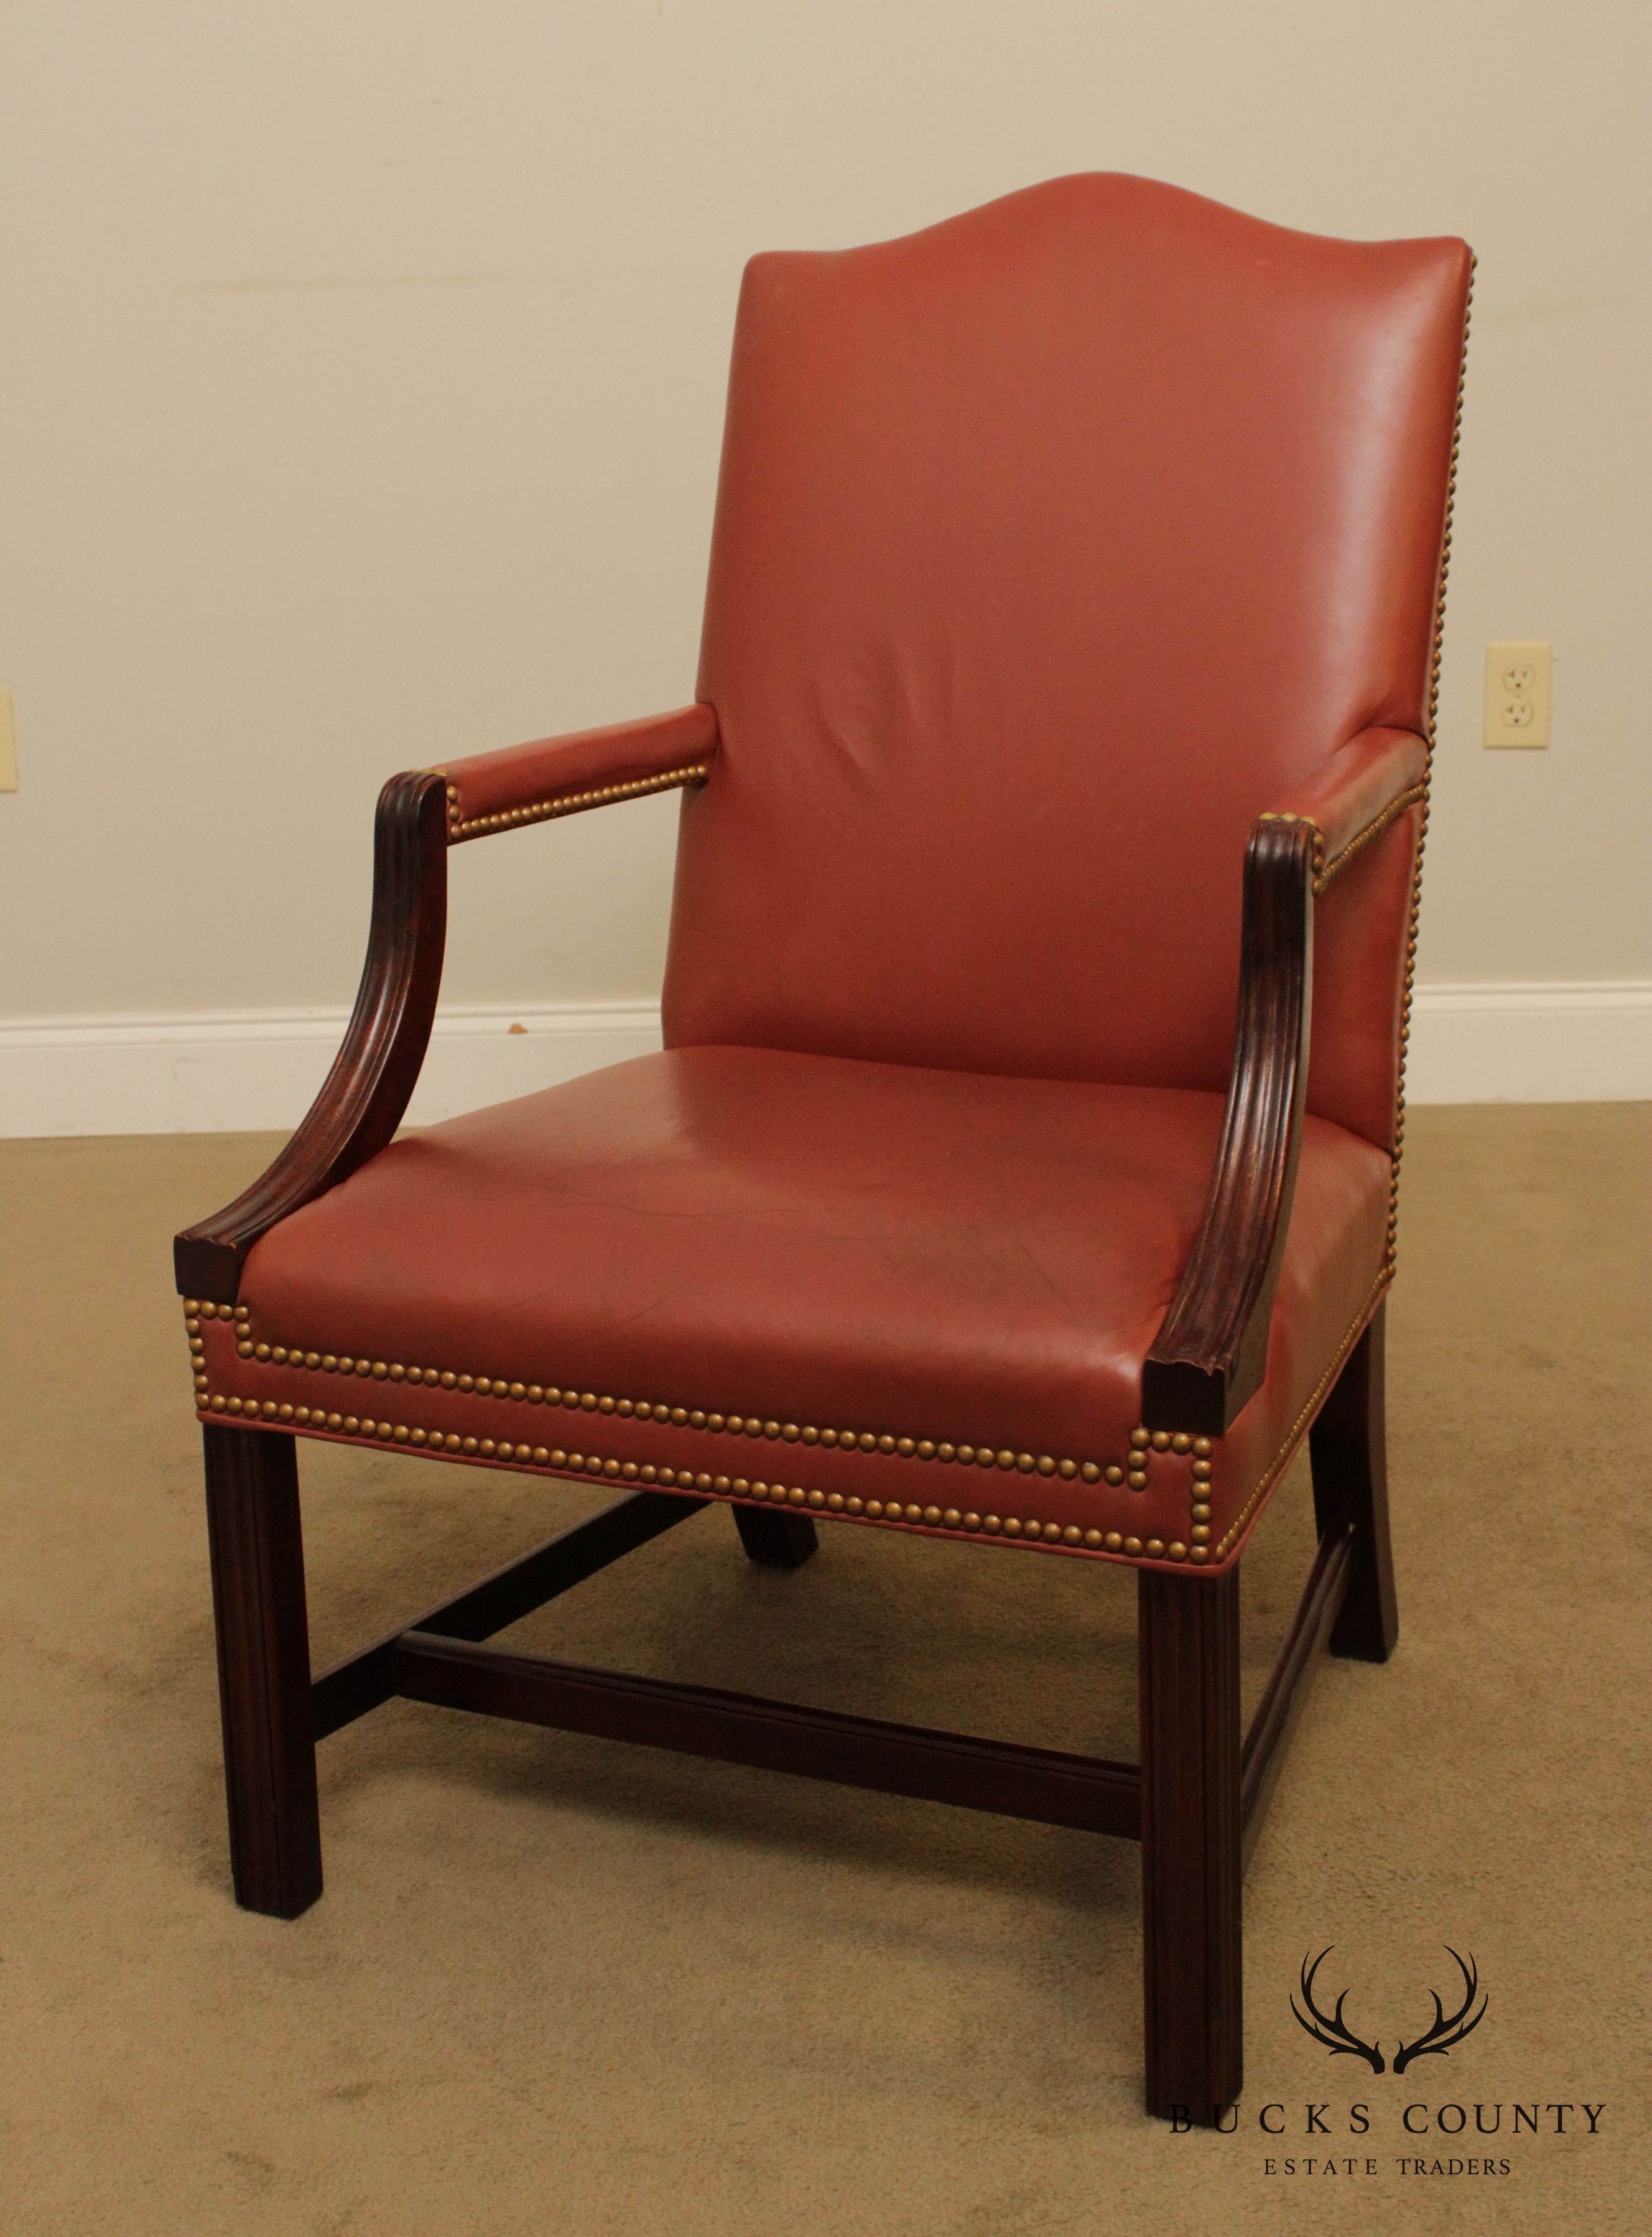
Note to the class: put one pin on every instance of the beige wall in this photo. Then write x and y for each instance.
(362, 376)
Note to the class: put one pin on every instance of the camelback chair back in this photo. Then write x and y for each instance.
(1054, 544)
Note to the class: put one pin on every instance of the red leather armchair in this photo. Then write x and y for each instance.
(1069, 673)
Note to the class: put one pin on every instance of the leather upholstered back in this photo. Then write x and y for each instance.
(1053, 545)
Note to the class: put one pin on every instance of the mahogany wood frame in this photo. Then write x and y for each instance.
(366, 1095)
(1211, 1354)
(1197, 1800)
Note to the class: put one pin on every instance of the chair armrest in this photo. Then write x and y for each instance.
(559, 776)
(1353, 798)
(1211, 1353)
(420, 814)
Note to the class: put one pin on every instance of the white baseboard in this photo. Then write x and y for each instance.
(1550, 1041)
(221, 1071)
(207, 1072)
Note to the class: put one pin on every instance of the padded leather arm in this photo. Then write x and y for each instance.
(559, 776)
(1353, 797)
(1211, 1354)
(420, 814)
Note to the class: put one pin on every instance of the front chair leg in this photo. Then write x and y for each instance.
(1191, 1868)
(1347, 1447)
(779, 1540)
(263, 1668)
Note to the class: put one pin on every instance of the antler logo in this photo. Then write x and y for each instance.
(1340, 2039)
(1440, 2037)
(1328, 2027)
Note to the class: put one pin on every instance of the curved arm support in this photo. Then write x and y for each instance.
(364, 1096)
(420, 814)
(1211, 1354)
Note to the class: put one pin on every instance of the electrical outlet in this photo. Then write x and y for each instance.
(8, 744)
(1517, 693)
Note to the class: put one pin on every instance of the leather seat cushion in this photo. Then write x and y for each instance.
(904, 1295)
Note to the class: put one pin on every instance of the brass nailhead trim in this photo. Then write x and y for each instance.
(1374, 830)
(748, 1425)
(566, 803)
(1323, 871)
(1436, 658)
(1142, 1443)
(1027, 1529)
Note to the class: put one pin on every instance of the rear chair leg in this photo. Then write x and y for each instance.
(263, 1668)
(779, 1540)
(1191, 1869)
(1348, 1449)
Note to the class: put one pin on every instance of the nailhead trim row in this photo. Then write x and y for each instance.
(566, 803)
(1428, 739)
(930, 1517)
(934, 1518)
(1361, 840)
(534, 1394)
(740, 1487)
(1143, 1443)
(1324, 871)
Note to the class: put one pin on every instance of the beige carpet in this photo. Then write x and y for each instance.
(558, 1985)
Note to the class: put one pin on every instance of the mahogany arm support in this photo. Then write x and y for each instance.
(1211, 1354)
(420, 814)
